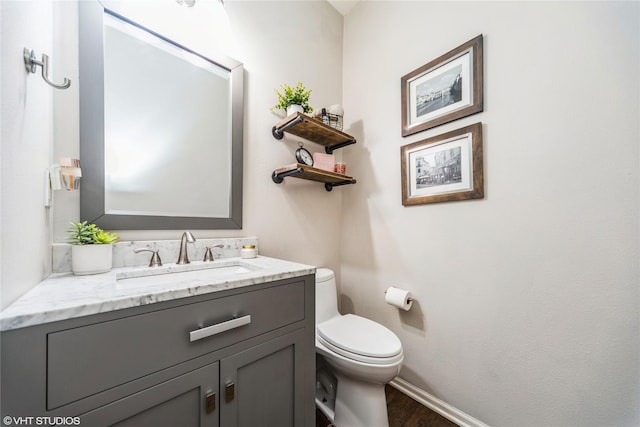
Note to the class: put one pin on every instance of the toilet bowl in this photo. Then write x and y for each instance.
(361, 354)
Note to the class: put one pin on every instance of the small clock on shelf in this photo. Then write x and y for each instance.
(304, 156)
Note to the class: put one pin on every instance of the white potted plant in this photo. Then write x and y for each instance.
(91, 248)
(293, 99)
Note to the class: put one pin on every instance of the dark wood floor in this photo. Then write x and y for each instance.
(403, 412)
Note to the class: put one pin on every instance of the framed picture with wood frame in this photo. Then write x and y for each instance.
(446, 89)
(443, 168)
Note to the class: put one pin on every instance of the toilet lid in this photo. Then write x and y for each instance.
(358, 335)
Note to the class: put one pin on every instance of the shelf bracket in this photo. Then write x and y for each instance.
(279, 133)
(329, 186)
(279, 177)
(329, 150)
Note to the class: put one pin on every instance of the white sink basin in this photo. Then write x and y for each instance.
(194, 272)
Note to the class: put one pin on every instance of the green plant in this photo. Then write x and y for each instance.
(293, 95)
(81, 233)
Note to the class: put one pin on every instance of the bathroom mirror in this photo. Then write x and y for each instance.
(160, 129)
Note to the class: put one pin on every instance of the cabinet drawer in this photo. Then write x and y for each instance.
(90, 359)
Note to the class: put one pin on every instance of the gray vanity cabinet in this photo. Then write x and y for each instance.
(181, 401)
(156, 365)
(258, 385)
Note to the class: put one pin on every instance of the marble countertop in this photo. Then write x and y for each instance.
(65, 296)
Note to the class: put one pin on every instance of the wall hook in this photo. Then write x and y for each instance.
(30, 63)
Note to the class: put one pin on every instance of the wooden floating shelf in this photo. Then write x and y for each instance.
(298, 170)
(311, 129)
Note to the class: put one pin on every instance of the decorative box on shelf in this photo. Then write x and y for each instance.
(324, 161)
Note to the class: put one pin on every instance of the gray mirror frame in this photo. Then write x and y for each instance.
(91, 87)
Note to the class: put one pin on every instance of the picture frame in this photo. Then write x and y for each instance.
(443, 168)
(446, 89)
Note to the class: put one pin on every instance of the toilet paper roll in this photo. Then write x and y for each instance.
(399, 298)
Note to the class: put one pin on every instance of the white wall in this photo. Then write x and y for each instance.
(527, 300)
(27, 143)
(287, 42)
(278, 42)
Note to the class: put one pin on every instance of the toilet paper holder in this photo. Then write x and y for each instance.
(408, 299)
(400, 298)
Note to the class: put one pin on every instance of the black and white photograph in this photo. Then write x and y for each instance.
(438, 168)
(439, 92)
(443, 168)
(444, 90)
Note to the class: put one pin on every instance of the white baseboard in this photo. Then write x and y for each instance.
(435, 404)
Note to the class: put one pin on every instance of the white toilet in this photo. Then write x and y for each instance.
(362, 356)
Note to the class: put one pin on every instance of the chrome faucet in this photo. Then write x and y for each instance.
(187, 237)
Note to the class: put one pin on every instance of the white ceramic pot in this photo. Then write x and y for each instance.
(91, 259)
(294, 108)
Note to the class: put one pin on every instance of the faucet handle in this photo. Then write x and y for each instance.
(208, 255)
(155, 258)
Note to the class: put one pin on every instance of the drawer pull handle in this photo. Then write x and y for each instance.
(211, 402)
(199, 334)
(230, 392)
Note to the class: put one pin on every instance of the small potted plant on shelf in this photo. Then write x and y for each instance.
(293, 99)
(91, 248)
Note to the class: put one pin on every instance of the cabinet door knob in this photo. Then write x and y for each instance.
(230, 392)
(211, 402)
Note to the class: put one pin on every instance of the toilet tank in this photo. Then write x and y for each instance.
(326, 295)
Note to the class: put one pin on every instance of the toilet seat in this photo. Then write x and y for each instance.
(360, 339)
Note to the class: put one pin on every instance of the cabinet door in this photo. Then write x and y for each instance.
(263, 386)
(190, 400)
